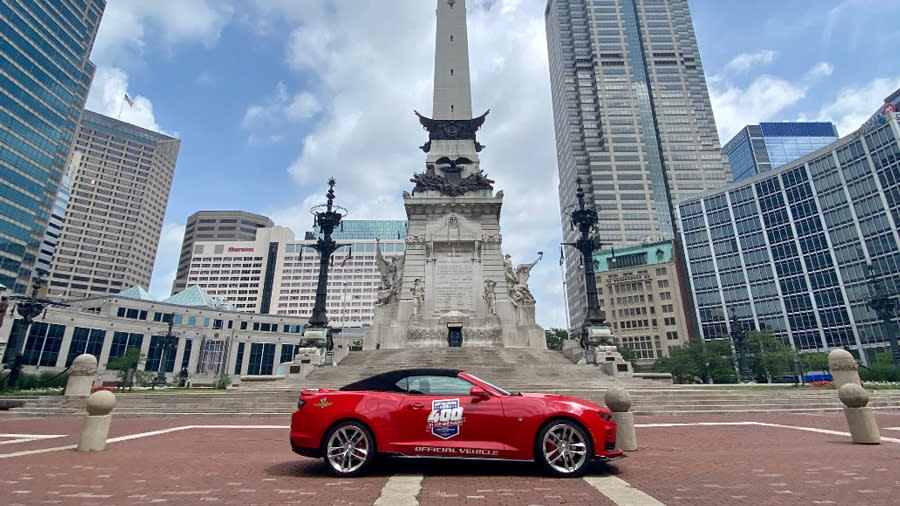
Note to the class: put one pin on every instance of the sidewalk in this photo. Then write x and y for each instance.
(732, 460)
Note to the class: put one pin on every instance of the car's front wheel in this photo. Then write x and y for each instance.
(348, 448)
(563, 448)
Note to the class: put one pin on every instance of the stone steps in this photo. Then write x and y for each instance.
(513, 369)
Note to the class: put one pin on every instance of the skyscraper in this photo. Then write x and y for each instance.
(766, 146)
(215, 226)
(633, 119)
(118, 201)
(45, 76)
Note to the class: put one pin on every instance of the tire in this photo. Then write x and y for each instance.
(563, 448)
(348, 449)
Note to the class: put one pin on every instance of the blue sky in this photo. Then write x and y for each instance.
(273, 97)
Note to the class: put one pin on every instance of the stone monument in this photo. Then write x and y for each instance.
(453, 286)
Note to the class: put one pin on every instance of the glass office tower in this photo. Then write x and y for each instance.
(633, 119)
(45, 76)
(766, 146)
(788, 250)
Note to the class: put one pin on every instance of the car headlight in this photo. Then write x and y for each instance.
(604, 415)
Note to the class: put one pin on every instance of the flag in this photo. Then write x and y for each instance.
(561, 257)
(129, 101)
(345, 260)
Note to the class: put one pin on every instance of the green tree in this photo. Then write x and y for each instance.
(767, 356)
(555, 338)
(881, 368)
(628, 355)
(131, 358)
(816, 361)
(699, 360)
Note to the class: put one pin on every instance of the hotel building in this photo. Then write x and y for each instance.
(278, 274)
(114, 219)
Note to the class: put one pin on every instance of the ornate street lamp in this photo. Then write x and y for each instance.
(168, 343)
(327, 217)
(28, 308)
(738, 334)
(885, 306)
(594, 330)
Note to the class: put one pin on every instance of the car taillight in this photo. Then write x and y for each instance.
(300, 403)
(604, 415)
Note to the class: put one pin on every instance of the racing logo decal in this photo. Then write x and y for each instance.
(446, 418)
(323, 403)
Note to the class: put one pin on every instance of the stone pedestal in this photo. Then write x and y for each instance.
(611, 362)
(860, 418)
(305, 361)
(573, 351)
(81, 376)
(95, 429)
(457, 288)
(844, 368)
(863, 428)
(618, 401)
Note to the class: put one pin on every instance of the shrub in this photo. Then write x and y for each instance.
(223, 381)
(41, 380)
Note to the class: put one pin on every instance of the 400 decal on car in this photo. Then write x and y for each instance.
(447, 413)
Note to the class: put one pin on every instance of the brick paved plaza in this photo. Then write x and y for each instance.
(784, 459)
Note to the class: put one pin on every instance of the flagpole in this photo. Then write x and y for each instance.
(121, 105)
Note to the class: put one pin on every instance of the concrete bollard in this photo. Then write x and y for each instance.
(860, 419)
(96, 424)
(619, 402)
(844, 368)
(81, 376)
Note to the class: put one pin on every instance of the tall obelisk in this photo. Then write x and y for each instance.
(454, 287)
(452, 89)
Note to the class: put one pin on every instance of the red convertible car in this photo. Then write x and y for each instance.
(450, 414)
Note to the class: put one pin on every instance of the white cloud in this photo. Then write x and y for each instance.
(127, 25)
(745, 62)
(126, 29)
(165, 268)
(854, 104)
(372, 75)
(818, 71)
(107, 97)
(762, 99)
(280, 107)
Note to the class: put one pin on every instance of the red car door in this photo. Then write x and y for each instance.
(439, 418)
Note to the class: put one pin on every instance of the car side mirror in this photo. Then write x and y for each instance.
(479, 393)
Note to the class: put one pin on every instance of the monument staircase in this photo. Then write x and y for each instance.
(515, 369)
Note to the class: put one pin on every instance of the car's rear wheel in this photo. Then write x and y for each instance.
(563, 448)
(348, 449)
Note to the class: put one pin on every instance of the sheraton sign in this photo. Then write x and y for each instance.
(240, 250)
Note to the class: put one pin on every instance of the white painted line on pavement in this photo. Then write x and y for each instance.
(24, 438)
(401, 490)
(144, 434)
(761, 424)
(621, 492)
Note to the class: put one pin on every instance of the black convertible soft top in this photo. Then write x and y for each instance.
(387, 381)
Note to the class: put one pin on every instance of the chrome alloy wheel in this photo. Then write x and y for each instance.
(348, 449)
(564, 448)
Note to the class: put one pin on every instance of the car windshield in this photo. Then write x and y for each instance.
(488, 383)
